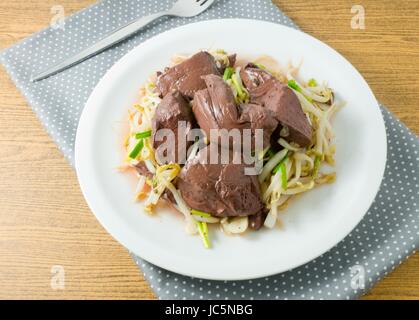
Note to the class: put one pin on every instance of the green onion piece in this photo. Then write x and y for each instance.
(312, 82)
(142, 135)
(200, 213)
(278, 166)
(228, 73)
(317, 160)
(203, 232)
(137, 149)
(283, 176)
(205, 227)
(237, 85)
(294, 85)
(260, 66)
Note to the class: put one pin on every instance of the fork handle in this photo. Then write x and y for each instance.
(112, 38)
(124, 32)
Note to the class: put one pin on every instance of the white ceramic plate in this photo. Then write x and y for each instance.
(311, 226)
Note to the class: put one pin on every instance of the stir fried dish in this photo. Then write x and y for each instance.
(272, 129)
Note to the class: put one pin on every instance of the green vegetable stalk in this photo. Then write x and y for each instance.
(260, 66)
(237, 85)
(228, 73)
(200, 213)
(293, 84)
(317, 161)
(140, 144)
(137, 149)
(278, 166)
(312, 82)
(142, 135)
(284, 176)
(203, 232)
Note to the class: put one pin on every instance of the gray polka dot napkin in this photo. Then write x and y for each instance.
(385, 237)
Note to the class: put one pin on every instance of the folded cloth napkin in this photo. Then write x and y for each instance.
(386, 236)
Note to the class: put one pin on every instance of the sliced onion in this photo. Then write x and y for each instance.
(270, 220)
(162, 178)
(307, 106)
(309, 93)
(183, 208)
(270, 165)
(274, 186)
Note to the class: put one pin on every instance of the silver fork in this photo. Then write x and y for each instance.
(181, 8)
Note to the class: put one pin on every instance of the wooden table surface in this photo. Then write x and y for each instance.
(44, 220)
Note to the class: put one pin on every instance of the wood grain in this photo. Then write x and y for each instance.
(44, 220)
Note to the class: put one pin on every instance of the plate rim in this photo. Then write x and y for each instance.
(126, 242)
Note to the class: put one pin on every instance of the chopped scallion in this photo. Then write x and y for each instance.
(137, 149)
(200, 213)
(260, 66)
(142, 135)
(312, 82)
(317, 160)
(205, 228)
(278, 166)
(237, 85)
(228, 73)
(284, 176)
(203, 232)
(293, 84)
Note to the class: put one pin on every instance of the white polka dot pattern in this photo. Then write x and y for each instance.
(59, 100)
(386, 236)
(383, 239)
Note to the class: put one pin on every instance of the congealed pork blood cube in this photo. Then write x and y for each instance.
(215, 108)
(186, 77)
(172, 112)
(223, 190)
(266, 90)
